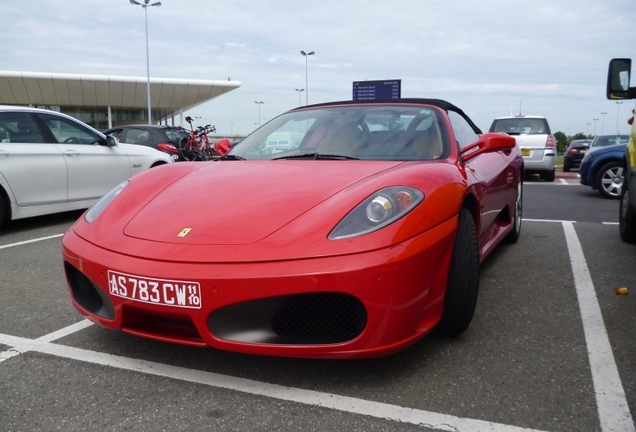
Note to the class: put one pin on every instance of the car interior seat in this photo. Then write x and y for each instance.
(422, 138)
(343, 140)
(427, 144)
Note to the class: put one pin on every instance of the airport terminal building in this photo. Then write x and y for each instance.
(106, 101)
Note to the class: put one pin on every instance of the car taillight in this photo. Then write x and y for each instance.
(551, 142)
(572, 150)
(168, 148)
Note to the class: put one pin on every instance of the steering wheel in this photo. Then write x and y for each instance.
(71, 140)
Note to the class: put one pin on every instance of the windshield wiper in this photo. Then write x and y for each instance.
(230, 157)
(317, 156)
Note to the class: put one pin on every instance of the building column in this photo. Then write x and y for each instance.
(110, 118)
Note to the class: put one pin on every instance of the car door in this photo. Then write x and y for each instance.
(93, 167)
(34, 170)
(489, 171)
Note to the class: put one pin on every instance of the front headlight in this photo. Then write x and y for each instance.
(587, 157)
(379, 210)
(100, 205)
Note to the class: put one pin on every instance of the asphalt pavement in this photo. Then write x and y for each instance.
(551, 348)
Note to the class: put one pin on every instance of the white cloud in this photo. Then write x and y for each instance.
(487, 56)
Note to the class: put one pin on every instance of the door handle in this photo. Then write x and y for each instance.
(72, 153)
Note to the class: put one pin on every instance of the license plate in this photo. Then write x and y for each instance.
(525, 152)
(582, 151)
(176, 293)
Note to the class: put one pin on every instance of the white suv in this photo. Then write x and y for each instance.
(537, 144)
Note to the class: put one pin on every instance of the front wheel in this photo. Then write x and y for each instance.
(460, 299)
(627, 217)
(609, 180)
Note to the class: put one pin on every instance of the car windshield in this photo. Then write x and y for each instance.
(608, 140)
(377, 132)
(520, 126)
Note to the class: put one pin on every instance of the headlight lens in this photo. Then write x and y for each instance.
(379, 210)
(100, 205)
(587, 157)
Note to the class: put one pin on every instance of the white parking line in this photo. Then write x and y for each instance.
(612, 405)
(547, 220)
(30, 241)
(352, 405)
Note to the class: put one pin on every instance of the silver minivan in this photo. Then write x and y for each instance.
(537, 144)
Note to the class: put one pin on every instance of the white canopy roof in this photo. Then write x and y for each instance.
(30, 88)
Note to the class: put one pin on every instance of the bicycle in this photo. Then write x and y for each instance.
(195, 145)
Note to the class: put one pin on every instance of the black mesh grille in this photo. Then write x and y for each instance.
(321, 317)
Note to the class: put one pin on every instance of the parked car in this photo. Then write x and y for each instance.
(602, 170)
(574, 154)
(161, 137)
(537, 143)
(355, 243)
(608, 140)
(51, 162)
(618, 87)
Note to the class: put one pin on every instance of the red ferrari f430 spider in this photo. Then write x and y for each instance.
(338, 230)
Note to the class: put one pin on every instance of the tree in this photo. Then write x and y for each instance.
(561, 141)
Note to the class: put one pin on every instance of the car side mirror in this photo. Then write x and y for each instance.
(111, 141)
(488, 143)
(223, 146)
(618, 79)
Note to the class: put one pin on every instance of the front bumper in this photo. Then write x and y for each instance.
(362, 305)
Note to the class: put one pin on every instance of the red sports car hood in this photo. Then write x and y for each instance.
(241, 202)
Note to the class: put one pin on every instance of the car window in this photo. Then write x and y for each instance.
(608, 140)
(520, 126)
(116, 133)
(173, 135)
(137, 136)
(67, 131)
(464, 132)
(19, 127)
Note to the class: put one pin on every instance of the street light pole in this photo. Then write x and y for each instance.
(145, 6)
(618, 108)
(198, 120)
(299, 93)
(306, 55)
(603, 124)
(587, 132)
(259, 110)
(595, 120)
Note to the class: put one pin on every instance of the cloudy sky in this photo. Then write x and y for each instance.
(490, 57)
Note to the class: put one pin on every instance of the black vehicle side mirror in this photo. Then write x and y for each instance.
(618, 79)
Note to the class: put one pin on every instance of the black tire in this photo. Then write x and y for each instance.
(3, 209)
(627, 217)
(549, 176)
(609, 180)
(566, 168)
(460, 299)
(513, 236)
